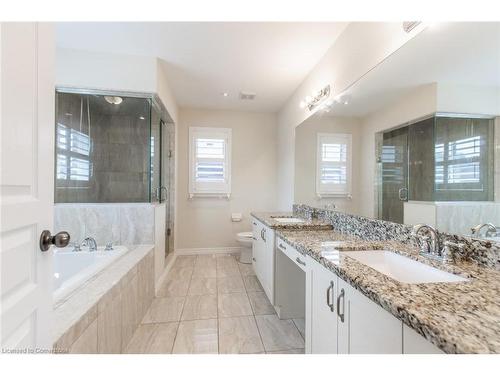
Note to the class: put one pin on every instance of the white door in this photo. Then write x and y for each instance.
(323, 310)
(367, 328)
(26, 186)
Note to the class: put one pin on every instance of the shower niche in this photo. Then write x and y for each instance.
(111, 148)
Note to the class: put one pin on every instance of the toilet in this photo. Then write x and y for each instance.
(245, 239)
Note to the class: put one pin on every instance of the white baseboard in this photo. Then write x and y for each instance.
(169, 262)
(208, 250)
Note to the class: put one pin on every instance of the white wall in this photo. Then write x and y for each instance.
(105, 71)
(420, 102)
(305, 160)
(206, 222)
(358, 49)
(468, 99)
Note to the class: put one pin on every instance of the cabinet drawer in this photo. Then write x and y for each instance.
(291, 253)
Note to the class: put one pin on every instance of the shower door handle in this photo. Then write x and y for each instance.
(403, 194)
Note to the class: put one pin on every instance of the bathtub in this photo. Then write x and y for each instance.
(73, 268)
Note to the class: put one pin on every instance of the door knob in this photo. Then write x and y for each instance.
(61, 239)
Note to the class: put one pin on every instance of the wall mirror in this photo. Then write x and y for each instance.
(410, 141)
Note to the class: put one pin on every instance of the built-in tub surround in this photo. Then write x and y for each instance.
(102, 315)
(122, 223)
(72, 268)
(480, 251)
(269, 219)
(458, 317)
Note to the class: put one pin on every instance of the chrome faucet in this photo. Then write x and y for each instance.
(492, 230)
(90, 243)
(429, 245)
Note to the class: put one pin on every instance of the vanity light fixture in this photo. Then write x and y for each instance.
(141, 117)
(316, 98)
(113, 99)
(225, 94)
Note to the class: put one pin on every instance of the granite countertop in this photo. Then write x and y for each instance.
(269, 219)
(459, 317)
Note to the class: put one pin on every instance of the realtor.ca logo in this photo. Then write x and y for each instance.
(33, 351)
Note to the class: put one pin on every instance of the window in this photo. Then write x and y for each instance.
(73, 150)
(209, 161)
(333, 172)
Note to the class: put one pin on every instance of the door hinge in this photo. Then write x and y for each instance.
(169, 153)
(169, 231)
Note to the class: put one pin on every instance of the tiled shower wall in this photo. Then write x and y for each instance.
(121, 224)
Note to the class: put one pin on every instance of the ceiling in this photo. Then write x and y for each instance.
(204, 60)
(464, 53)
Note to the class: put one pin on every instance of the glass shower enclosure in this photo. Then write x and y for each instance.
(112, 148)
(440, 158)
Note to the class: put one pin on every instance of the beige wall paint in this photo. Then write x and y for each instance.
(206, 222)
(420, 102)
(305, 160)
(344, 63)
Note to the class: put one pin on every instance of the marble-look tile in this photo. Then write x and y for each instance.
(232, 284)
(200, 271)
(260, 303)
(233, 304)
(130, 309)
(163, 310)
(174, 288)
(252, 284)
(153, 339)
(200, 307)
(225, 260)
(278, 334)
(87, 342)
(145, 274)
(301, 326)
(227, 269)
(246, 269)
(180, 272)
(291, 351)
(205, 261)
(70, 218)
(201, 286)
(185, 261)
(102, 222)
(137, 224)
(239, 335)
(196, 337)
(65, 341)
(109, 325)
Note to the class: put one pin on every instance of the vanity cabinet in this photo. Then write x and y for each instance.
(322, 294)
(263, 257)
(344, 321)
(363, 326)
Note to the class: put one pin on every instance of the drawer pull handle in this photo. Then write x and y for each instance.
(329, 295)
(341, 295)
(299, 261)
(281, 246)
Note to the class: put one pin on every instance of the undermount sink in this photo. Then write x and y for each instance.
(288, 220)
(401, 268)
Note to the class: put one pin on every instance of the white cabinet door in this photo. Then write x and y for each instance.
(257, 250)
(268, 255)
(27, 172)
(413, 343)
(323, 314)
(367, 328)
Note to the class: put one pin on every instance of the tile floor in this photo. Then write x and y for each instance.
(214, 304)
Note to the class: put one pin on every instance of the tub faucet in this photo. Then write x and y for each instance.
(90, 243)
(429, 245)
(492, 230)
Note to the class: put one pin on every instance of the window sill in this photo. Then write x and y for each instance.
(334, 195)
(209, 195)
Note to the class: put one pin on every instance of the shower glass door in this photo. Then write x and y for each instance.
(394, 160)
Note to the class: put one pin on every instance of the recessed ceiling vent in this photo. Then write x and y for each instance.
(245, 95)
(409, 26)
